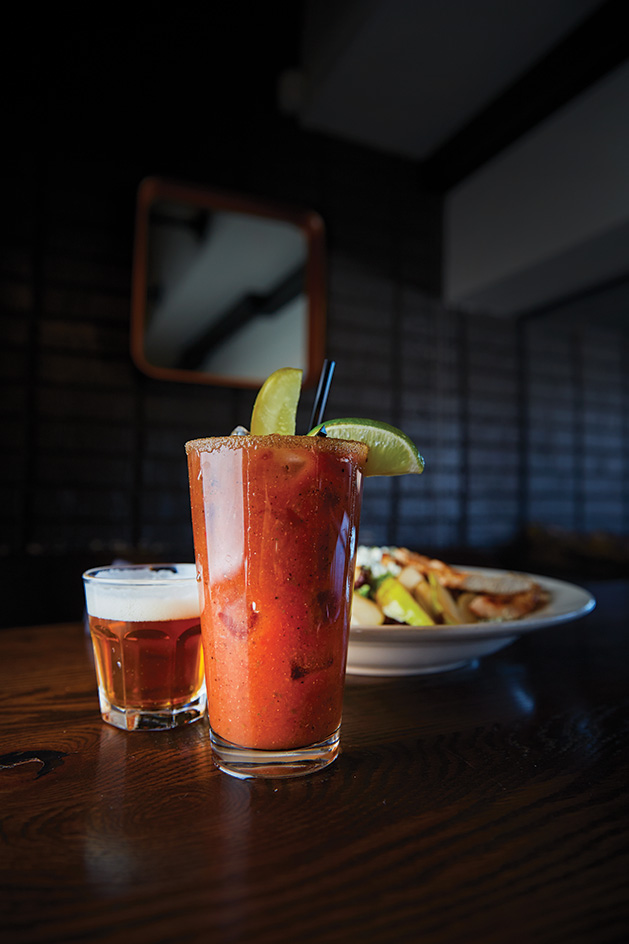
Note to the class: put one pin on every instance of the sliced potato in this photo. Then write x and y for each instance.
(409, 577)
(423, 594)
(365, 612)
(463, 603)
(444, 602)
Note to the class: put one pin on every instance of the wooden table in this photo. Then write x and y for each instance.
(485, 804)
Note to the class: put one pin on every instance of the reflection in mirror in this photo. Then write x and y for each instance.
(226, 289)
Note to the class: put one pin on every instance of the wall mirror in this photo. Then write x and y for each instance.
(226, 288)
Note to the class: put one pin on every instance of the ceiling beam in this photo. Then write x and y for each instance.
(592, 50)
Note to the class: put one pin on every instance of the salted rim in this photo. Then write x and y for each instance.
(347, 448)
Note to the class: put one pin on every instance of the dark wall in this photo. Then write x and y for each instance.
(519, 423)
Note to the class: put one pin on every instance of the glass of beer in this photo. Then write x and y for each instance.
(275, 520)
(145, 628)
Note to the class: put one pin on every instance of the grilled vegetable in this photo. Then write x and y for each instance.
(397, 603)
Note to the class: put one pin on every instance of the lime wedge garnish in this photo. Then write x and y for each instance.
(275, 407)
(391, 452)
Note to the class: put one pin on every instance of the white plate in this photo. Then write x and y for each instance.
(395, 650)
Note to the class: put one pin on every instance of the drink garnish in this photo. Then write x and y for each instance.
(391, 452)
(275, 407)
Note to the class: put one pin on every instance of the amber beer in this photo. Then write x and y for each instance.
(145, 628)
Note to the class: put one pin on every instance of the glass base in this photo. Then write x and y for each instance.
(246, 762)
(152, 719)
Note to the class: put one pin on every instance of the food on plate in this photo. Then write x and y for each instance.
(400, 587)
(398, 604)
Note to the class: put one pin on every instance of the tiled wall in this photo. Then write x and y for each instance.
(518, 423)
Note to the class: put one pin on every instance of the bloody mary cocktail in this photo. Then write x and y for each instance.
(275, 521)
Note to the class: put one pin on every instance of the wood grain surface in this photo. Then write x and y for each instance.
(485, 804)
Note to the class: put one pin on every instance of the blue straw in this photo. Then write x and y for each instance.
(321, 396)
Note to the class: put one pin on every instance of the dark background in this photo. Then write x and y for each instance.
(523, 422)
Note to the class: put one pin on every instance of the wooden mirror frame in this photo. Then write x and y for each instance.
(308, 221)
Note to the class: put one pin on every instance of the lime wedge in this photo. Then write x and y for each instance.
(275, 407)
(391, 452)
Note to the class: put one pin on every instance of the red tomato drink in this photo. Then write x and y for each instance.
(275, 521)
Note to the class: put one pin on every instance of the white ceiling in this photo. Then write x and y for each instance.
(407, 76)
(547, 217)
(403, 76)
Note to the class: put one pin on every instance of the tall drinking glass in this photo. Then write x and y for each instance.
(145, 629)
(275, 520)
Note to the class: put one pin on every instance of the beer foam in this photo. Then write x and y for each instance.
(145, 595)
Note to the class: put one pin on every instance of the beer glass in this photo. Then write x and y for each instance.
(145, 629)
(275, 520)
